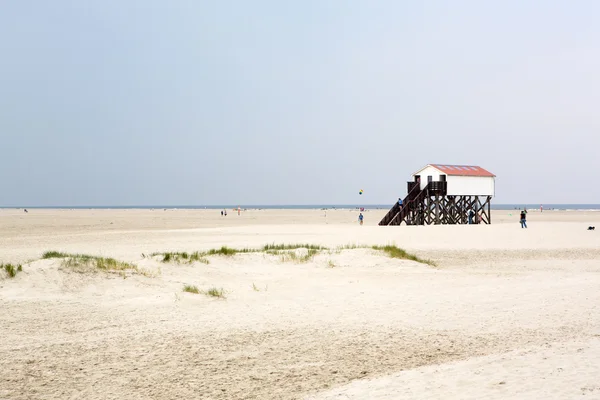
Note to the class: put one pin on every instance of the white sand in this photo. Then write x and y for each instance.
(508, 312)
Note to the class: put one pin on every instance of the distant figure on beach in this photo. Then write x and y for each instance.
(471, 215)
(221, 213)
(360, 218)
(26, 210)
(225, 212)
(239, 210)
(524, 219)
(541, 208)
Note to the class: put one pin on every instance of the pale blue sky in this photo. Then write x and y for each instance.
(122, 102)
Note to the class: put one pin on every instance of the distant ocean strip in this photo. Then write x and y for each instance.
(546, 207)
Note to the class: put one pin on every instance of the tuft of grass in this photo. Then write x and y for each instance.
(223, 251)
(11, 269)
(191, 289)
(54, 254)
(180, 257)
(215, 292)
(276, 247)
(255, 288)
(331, 264)
(228, 251)
(85, 260)
(396, 252)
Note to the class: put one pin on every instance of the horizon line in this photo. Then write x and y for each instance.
(258, 205)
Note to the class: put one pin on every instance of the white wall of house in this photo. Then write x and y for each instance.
(459, 185)
(470, 185)
(428, 171)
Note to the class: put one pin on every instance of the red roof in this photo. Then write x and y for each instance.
(463, 170)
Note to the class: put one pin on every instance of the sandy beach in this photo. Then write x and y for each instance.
(504, 313)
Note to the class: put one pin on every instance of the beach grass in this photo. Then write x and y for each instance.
(215, 292)
(180, 257)
(276, 247)
(201, 256)
(285, 252)
(191, 289)
(226, 251)
(86, 260)
(11, 269)
(393, 251)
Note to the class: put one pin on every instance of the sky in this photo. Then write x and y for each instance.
(193, 102)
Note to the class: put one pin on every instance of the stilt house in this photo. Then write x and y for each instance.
(445, 194)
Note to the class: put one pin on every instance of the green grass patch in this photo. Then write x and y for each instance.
(11, 269)
(55, 254)
(88, 261)
(215, 292)
(191, 289)
(224, 251)
(396, 252)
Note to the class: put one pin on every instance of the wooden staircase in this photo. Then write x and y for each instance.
(410, 205)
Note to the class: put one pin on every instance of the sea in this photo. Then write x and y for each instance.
(546, 207)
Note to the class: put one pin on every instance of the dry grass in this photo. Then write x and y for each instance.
(81, 261)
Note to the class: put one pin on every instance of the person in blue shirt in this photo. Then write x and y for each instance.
(400, 202)
(360, 218)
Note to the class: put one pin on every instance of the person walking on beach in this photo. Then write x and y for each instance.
(471, 214)
(523, 219)
(360, 218)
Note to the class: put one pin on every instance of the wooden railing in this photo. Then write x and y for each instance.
(437, 187)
